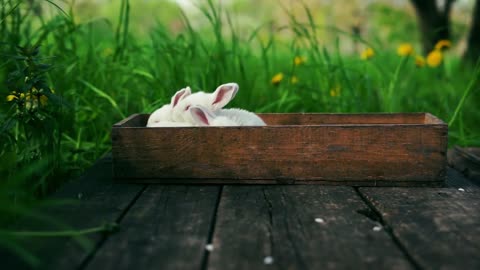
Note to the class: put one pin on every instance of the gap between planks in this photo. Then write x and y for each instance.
(104, 238)
(211, 232)
(388, 229)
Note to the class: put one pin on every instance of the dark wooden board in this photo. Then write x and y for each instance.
(366, 183)
(456, 179)
(329, 154)
(167, 228)
(466, 160)
(440, 228)
(139, 120)
(98, 200)
(254, 222)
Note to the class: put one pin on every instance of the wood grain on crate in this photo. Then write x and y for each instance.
(363, 149)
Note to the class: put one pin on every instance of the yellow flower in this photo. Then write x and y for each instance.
(298, 60)
(11, 97)
(443, 44)
(31, 102)
(277, 78)
(294, 79)
(405, 49)
(367, 54)
(335, 91)
(434, 58)
(419, 61)
(14, 95)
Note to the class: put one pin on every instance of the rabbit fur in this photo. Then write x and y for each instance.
(225, 117)
(211, 101)
(164, 114)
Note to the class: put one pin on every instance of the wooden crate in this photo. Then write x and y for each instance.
(407, 149)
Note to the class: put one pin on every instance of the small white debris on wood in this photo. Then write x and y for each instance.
(209, 247)
(80, 196)
(377, 228)
(461, 189)
(268, 260)
(319, 220)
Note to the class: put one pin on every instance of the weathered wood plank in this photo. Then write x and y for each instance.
(466, 160)
(138, 120)
(366, 183)
(167, 228)
(440, 228)
(254, 222)
(99, 200)
(329, 153)
(456, 179)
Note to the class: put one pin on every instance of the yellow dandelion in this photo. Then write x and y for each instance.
(434, 58)
(367, 54)
(335, 91)
(294, 79)
(443, 44)
(11, 97)
(277, 78)
(419, 61)
(405, 49)
(298, 60)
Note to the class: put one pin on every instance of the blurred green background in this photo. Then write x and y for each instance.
(71, 69)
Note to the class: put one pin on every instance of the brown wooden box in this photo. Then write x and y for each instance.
(407, 149)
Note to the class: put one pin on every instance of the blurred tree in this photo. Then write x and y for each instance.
(434, 22)
(435, 25)
(472, 54)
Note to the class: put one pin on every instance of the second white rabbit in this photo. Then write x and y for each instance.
(225, 117)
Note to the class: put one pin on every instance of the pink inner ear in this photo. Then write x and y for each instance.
(201, 115)
(221, 94)
(177, 97)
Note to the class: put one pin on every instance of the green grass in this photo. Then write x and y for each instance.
(102, 72)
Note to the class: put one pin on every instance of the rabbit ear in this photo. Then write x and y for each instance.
(181, 94)
(224, 94)
(201, 115)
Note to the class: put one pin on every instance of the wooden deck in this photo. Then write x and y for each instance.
(263, 226)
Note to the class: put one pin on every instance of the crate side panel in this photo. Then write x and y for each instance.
(234, 153)
(348, 119)
(390, 153)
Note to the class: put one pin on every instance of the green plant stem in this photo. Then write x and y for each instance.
(392, 85)
(465, 95)
(67, 233)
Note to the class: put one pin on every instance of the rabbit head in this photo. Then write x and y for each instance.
(211, 101)
(202, 116)
(164, 114)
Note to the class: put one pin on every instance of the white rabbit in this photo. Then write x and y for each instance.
(164, 114)
(170, 124)
(211, 101)
(242, 117)
(230, 117)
